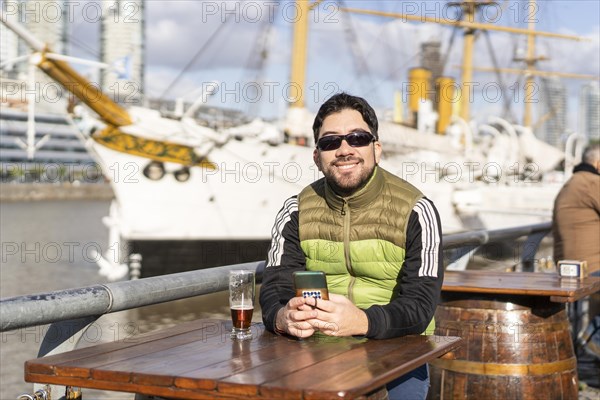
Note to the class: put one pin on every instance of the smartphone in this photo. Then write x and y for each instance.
(311, 284)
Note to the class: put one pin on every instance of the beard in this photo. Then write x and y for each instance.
(347, 184)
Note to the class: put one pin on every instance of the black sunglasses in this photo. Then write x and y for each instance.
(354, 139)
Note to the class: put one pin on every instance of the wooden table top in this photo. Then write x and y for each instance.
(198, 360)
(561, 290)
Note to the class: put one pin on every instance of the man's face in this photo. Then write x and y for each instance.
(346, 168)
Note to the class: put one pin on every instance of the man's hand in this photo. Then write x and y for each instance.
(338, 316)
(293, 318)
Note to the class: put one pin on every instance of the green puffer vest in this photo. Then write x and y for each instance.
(358, 241)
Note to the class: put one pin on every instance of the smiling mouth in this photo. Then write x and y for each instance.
(346, 164)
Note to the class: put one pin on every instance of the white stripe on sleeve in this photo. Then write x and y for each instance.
(430, 238)
(277, 239)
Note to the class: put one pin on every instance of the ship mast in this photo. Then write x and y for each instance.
(299, 49)
(469, 8)
(530, 62)
(530, 71)
(470, 26)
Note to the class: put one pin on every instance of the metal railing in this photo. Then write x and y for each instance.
(461, 246)
(93, 301)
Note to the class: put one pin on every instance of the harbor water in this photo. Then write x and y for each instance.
(49, 245)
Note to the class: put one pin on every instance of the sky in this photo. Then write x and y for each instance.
(364, 55)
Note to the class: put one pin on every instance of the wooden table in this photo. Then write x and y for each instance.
(560, 290)
(517, 335)
(198, 360)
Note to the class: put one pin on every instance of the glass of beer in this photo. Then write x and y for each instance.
(241, 302)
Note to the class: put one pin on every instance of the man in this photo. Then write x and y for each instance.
(377, 238)
(576, 227)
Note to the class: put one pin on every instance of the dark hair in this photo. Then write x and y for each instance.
(343, 101)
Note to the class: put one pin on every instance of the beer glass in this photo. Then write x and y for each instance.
(241, 302)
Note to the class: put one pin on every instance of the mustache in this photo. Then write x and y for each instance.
(347, 159)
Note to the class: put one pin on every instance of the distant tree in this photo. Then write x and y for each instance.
(17, 173)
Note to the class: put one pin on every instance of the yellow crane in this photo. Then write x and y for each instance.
(115, 117)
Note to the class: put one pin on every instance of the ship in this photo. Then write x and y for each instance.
(190, 196)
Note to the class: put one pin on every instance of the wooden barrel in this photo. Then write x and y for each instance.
(517, 349)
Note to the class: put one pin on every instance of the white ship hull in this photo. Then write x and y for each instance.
(237, 201)
(497, 207)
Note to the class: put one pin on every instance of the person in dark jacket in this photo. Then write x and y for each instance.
(576, 230)
(377, 238)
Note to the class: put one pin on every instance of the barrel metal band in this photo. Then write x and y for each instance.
(480, 368)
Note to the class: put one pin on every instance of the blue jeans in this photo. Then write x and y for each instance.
(411, 386)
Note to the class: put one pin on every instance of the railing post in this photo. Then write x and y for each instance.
(460, 257)
(62, 336)
(530, 248)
